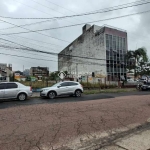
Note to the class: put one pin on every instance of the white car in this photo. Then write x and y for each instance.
(62, 88)
(14, 90)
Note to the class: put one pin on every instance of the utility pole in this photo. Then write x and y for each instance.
(77, 71)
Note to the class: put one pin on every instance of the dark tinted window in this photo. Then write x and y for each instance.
(72, 83)
(2, 86)
(64, 84)
(11, 86)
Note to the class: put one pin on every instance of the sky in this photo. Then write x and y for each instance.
(137, 27)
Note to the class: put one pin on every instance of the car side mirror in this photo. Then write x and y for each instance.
(59, 86)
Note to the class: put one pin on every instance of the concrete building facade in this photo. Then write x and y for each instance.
(99, 49)
(5, 72)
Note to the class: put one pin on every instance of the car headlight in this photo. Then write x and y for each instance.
(45, 90)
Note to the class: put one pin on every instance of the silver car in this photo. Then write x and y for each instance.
(13, 90)
(62, 88)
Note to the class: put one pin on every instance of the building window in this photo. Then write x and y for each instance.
(114, 42)
(107, 42)
(117, 43)
(124, 44)
(120, 45)
(110, 41)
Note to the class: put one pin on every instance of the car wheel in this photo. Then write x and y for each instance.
(78, 93)
(22, 97)
(52, 95)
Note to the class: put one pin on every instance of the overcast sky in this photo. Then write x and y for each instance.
(136, 26)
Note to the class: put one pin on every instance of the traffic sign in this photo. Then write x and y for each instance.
(61, 75)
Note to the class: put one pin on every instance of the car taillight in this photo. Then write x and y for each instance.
(30, 88)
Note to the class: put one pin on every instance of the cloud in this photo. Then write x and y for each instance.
(136, 26)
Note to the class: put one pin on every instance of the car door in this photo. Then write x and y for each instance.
(63, 88)
(11, 90)
(72, 87)
(148, 86)
(2, 90)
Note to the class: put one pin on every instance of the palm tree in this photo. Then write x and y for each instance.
(135, 57)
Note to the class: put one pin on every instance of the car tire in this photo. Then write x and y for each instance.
(51, 95)
(22, 97)
(78, 93)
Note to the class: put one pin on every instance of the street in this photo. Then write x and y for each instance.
(46, 125)
(64, 99)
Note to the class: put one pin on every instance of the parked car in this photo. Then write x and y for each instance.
(14, 90)
(142, 80)
(62, 88)
(143, 86)
(130, 80)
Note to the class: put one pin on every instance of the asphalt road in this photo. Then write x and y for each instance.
(33, 101)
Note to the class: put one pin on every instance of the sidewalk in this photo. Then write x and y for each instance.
(133, 137)
(35, 94)
(136, 141)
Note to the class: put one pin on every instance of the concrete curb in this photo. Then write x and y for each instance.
(119, 139)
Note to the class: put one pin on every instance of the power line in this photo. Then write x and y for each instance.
(29, 48)
(34, 43)
(52, 53)
(37, 40)
(32, 31)
(28, 24)
(87, 63)
(46, 20)
(83, 14)
(28, 57)
(32, 7)
(1, 46)
(63, 7)
(123, 16)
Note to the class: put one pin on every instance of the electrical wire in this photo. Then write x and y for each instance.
(123, 16)
(83, 14)
(33, 31)
(64, 55)
(46, 20)
(36, 40)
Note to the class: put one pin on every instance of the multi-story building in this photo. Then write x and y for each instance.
(5, 72)
(99, 49)
(39, 72)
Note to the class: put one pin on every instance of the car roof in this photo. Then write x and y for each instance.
(71, 81)
(9, 82)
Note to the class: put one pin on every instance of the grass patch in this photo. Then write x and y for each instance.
(109, 91)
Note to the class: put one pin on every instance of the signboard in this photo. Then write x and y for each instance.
(62, 75)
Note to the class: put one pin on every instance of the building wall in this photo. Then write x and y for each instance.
(3, 66)
(93, 44)
(88, 45)
(116, 49)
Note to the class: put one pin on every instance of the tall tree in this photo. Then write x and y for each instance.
(135, 58)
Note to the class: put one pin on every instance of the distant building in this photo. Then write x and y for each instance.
(39, 72)
(18, 75)
(5, 72)
(26, 72)
(99, 49)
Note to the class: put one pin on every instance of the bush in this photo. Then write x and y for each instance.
(97, 85)
(36, 84)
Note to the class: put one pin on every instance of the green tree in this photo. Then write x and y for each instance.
(54, 76)
(135, 59)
